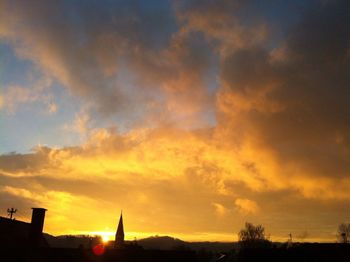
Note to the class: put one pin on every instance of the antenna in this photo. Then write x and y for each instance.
(10, 212)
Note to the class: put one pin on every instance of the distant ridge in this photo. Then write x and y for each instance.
(161, 242)
(168, 243)
(152, 242)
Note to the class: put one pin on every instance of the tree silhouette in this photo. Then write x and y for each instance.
(344, 233)
(253, 236)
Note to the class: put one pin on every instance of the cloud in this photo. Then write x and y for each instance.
(290, 113)
(1, 101)
(246, 206)
(15, 96)
(107, 58)
(81, 124)
(52, 108)
(152, 170)
(219, 209)
(219, 22)
(281, 110)
(59, 205)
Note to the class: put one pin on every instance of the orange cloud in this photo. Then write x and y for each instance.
(220, 209)
(149, 171)
(246, 206)
(281, 126)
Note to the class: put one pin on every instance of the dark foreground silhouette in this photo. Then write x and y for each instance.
(304, 252)
(26, 242)
(67, 254)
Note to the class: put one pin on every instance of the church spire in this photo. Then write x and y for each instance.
(119, 236)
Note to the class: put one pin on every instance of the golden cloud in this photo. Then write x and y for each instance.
(281, 124)
(246, 206)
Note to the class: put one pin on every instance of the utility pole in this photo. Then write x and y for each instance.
(290, 240)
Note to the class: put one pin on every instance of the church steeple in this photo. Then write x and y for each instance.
(119, 236)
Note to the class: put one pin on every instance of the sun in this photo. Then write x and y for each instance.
(105, 238)
(105, 235)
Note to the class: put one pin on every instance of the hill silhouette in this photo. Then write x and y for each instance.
(152, 242)
(161, 242)
(168, 243)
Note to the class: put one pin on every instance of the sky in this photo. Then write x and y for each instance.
(191, 116)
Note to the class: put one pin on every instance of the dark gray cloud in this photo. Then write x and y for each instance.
(295, 98)
(114, 55)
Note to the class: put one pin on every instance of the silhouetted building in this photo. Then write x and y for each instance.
(119, 236)
(37, 225)
(14, 233)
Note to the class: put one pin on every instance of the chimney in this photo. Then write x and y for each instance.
(36, 227)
